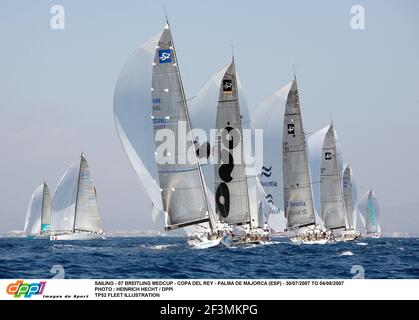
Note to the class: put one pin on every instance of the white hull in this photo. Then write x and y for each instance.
(230, 241)
(299, 241)
(372, 235)
(78, 236)
(37, 237)
(204, 244)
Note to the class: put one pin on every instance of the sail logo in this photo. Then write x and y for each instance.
(266, 172)
(328, 156)
(291, 129)
(294, 204)
(165, 56)
(84, 176)
(20, 289)
(227, 86)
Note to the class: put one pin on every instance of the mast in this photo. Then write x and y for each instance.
(298, 196)
(331, 192)
(242, 141)
(42, 207)
(211, 218)
(77, 194)
(211, 222)
(230, 183)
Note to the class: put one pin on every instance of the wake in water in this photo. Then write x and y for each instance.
(361, 244)
(346, 253)
(158, 246)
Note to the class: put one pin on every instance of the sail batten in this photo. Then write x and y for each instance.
(298, 198)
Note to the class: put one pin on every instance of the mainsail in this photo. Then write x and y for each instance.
(370, 212)
(315, 145)
(132, 112)
(182, 189)
(269, 116)
(298, 198)
(149, 90)
(331, 196)
(231, 193)
(39, 212)
(203, 109)
(74, 204)
(348, 196)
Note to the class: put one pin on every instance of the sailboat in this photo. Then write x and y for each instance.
(75, 213)
(37, 224)
(266, 117)
(331, 195)
(150, 102)
(204, 115)
(370, 214)
(349, 198)
(231, 184)
(298, 196)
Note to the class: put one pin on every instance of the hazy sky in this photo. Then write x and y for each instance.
(56, 88)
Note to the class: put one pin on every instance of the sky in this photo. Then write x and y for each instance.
(56, 88)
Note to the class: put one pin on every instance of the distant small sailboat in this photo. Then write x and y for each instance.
(331, 194)
(37, 224)
(349, 198)
(370, 214)
(75, 213)
(298, 196)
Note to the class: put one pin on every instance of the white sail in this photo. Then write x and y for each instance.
(74, 204)
(331, 195)
(269, 116)
(315, 144)
(64, 201)
(181, 181)
(203, 110)
(298, 197)
(349, 195)
(133, 112)
(370, 212)
(231, 193)
(38, 212)
(87, 211)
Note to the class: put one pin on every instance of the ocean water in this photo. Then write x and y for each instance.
(170, 257)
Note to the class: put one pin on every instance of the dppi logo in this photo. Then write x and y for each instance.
(165, 56)
(27, 290)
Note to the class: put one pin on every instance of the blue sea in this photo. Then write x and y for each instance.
(170, 257)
